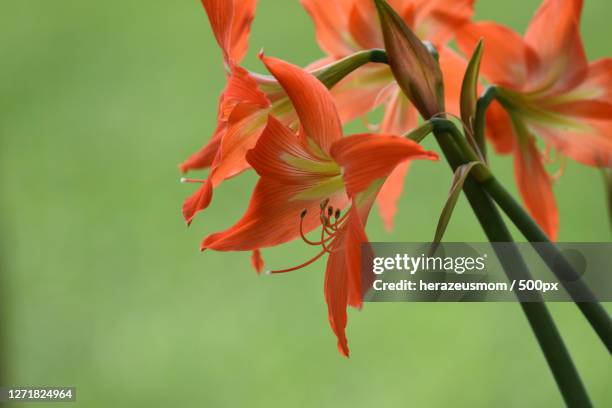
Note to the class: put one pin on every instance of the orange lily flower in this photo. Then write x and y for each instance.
(546, 88)
(244, 106)
(346, 26)
(316, 178)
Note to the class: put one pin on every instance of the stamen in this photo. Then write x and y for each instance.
(303, 236)
(561, 171)
(305, 264)
(324, 204)
(331, 235)
(327, 227)
(189, 180)
(339, 221)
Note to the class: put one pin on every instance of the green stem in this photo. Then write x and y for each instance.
(537, 313)
(481, 114)
(331, 74)
(334, 72)
(594, 312)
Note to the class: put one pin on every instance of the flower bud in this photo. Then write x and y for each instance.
(469, 89)
(416, 71)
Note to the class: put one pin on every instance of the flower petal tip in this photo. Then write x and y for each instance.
(343, 349)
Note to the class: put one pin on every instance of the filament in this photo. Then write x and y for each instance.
(295, 268)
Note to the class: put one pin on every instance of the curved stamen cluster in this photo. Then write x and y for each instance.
(331, 221)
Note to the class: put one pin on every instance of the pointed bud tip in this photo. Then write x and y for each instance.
(412, 62)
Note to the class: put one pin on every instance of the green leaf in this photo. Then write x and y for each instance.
(458, 180)
(415, 69)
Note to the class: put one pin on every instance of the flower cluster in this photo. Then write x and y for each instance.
(287, 126)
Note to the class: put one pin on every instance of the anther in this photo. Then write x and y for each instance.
(189, 180)
(303, 214)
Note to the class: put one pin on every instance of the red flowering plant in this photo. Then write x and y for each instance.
(287, 127)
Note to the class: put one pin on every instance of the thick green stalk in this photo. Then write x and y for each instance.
(537, 313)
(597, 316)
(594, 312)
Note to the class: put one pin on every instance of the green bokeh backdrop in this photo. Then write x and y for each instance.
(102, 284)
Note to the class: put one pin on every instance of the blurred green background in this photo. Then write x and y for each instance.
(103, 287)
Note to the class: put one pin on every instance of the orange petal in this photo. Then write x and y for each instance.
(437, 20)
(336, 296)
(554, 33)
(535, 186)
(257, 261)
(312, 102)
(204, 157)
(241, 88)
(230, 160)
(240, 137)
(343, 275)
(367, 158)
(230, 21)
(281, 156)
(507, 58)
(390, 193)
(598, 83)
(499, 128)
(240, 98)
(591, 146)
(197, 202)
(453, 68)
(587, 109)
(244, 12)
(363, 28)
(400, 117)
(361, 91)
(331, 23)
